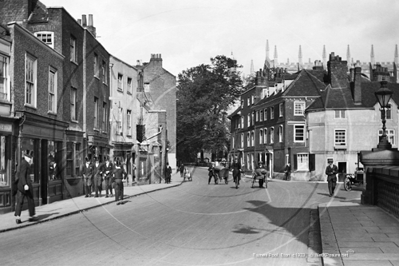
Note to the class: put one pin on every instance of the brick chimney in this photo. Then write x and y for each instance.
(337, 72)
(84, 21)
(156, 60)
(357, 88)
(90, 26)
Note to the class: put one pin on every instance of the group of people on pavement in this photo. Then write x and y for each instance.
(107, 176)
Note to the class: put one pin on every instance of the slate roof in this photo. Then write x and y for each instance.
(305, 84)
(342, 98)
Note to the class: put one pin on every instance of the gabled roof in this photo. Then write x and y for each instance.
(235, 112)
(341, 98)
(304, 85)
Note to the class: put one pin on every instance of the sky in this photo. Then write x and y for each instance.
(188, 33)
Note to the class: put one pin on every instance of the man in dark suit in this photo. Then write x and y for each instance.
(97, 176)
(331, 172)
(24, 187)
(107, 170)
(87, 172)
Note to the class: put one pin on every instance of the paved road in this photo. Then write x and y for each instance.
(193, 224)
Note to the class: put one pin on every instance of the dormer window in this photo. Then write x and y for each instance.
(46, 36)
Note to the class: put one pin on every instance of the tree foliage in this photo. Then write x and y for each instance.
(204, 94)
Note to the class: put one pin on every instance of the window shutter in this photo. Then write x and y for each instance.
(295, 162)
(312, 162)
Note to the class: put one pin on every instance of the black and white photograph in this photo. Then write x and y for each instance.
(199, 133)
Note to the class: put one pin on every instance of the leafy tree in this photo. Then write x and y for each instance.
(204, 94)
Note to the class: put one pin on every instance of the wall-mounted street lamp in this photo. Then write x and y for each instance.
(383, 96)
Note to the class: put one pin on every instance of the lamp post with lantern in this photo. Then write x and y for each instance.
(383, 96)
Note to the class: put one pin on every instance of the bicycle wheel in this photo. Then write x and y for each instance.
(347, 184)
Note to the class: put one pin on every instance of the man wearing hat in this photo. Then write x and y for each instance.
(97, 176)
(331, 172)
(87, 172)
(107, 172)
(118, 175)
(24, 186)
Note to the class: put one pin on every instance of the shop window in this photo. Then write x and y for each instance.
(4, 179)
(74, 159)
(52, 163)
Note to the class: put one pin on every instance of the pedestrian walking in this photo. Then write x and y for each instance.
(168, 173)
(97, 176)
(211, 173)
(24, 187)
(119, 174)
(236, 167)
(331, 172)
(182, 170)
(261, 173)
(287, 172)
(107, 170)
(87, 173)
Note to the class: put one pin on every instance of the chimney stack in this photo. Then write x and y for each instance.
(90, 26)
(337, 72)
(357, 89)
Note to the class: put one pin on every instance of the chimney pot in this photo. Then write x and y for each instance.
(90, 20)
(84, 21)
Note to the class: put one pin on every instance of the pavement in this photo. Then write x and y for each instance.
(355, 234)
(75, 205)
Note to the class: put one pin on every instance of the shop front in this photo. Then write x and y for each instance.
(46, 138)
(123, 152)
(7, 163)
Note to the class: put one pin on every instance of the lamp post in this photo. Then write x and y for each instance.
(383, 96)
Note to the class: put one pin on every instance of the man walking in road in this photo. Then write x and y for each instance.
(331, 172)
(24, 187)
(168, 173)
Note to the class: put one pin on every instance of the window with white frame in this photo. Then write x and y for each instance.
(73, 52)
(339, 137)
(248, 101)
(272, 135)
(242, 140)
(299, 133)
(233, 142)
(302, 162)
(271, 112)
(129, 85)
(257, 116)
(95, 65)
(390, 135)
(299, 108)
(120, 82)
(252, 118)
(248, 140)
(52, 90)
(265, 114)
(339, 113)
(265, 136)
(4, 87)
(96, 121)
(261, 116)
(280, 133)
(242, 122)
(388, 114)
(73, 103)
(280, 110)
(30, 80)
(129, 123)
(252, 138)
(261, 136)
(252, 99)
(46, 36)
(248, 120)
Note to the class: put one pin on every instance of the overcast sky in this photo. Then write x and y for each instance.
(189, 32)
